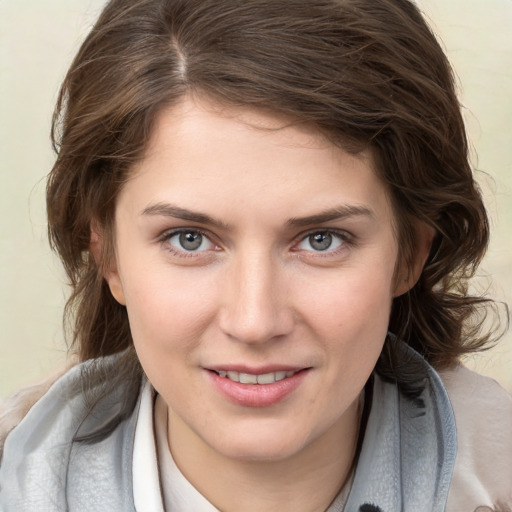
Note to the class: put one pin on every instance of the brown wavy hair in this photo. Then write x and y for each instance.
(369, 73)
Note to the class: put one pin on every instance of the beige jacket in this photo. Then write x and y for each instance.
(483, 467)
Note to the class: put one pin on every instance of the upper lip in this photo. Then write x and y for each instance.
(255, 370)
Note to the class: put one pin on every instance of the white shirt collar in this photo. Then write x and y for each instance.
(147, 494)
(175, 492)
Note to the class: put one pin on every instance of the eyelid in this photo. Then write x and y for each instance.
(170, 233)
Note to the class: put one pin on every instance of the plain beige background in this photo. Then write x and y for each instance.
(38, 39)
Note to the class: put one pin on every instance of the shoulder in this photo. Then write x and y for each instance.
(14, 408)
(483, 415)
(36, 451)
(84, 408)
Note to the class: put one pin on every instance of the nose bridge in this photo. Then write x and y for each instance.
(256, 309)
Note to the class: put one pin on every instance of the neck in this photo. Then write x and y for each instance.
(307, 481)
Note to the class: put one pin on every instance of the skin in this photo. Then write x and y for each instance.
(257, 292)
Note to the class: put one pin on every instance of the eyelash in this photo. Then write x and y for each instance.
(168, 235)
(347, 241)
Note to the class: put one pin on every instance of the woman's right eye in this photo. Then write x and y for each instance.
(188, 241)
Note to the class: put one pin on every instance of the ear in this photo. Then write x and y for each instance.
(410, 271)
(110, 269)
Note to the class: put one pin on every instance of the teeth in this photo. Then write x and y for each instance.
(247, 378)
(268, 378)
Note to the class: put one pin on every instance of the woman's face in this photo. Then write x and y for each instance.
(256, 261)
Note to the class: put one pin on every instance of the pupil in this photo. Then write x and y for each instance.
(191, 240)
(320, 241)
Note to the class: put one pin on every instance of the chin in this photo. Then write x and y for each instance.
(259, 453)
(259, 446)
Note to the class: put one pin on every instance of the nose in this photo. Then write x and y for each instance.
(256, 308)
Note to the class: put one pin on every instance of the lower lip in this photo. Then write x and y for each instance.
(257, 395)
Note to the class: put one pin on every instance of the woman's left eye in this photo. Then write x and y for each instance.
(321, 241)
(189, 240)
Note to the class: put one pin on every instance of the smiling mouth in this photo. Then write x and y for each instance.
(248, 378)
(262, 388)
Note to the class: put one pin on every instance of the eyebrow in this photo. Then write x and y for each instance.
(169, 210)
(337, 213)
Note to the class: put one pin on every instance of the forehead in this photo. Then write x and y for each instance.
(206, 153)
(198, 115)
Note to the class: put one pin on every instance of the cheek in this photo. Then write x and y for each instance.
(352, 299)
(351, 319)
(167, 309)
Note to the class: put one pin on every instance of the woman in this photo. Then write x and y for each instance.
(269, 220)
